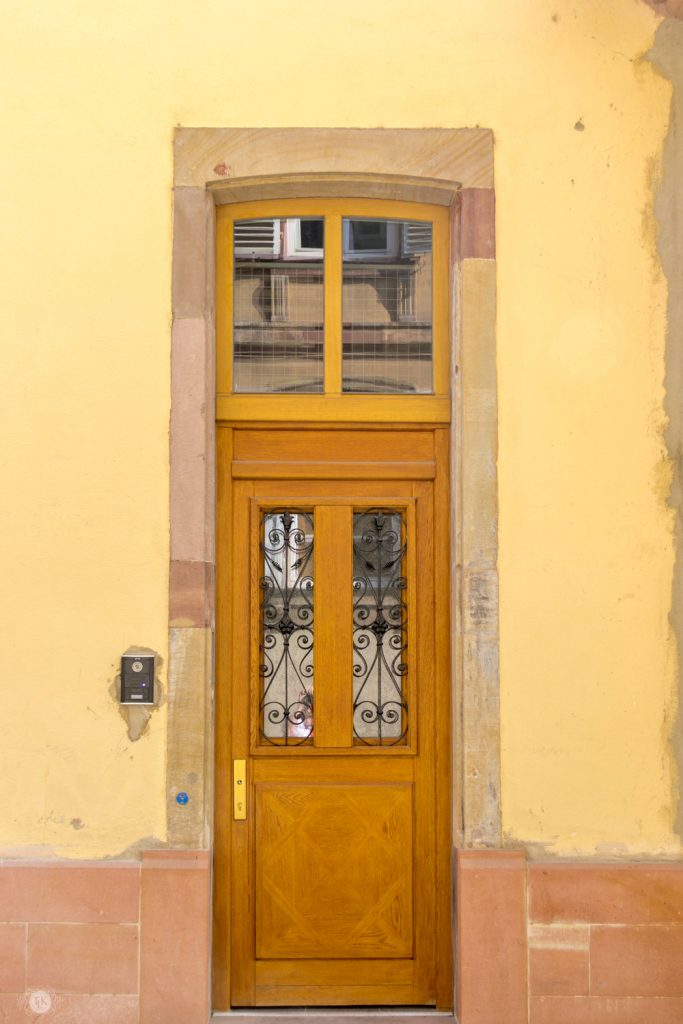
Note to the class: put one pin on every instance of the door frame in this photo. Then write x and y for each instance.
(449, 166)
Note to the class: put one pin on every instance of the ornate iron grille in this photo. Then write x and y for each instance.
(286, 621)
(380, 626)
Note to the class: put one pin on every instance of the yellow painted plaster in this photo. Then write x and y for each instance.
(93, 92)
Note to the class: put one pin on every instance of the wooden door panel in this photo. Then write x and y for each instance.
(333, 876)
(335, 972)
(354, 994)
(334, 871)
(382, 490)
(297, 445)
(331, 769)
(333, 725)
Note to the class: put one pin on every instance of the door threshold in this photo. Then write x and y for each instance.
(335, 1015)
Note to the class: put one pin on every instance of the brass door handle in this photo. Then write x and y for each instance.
(239, 790)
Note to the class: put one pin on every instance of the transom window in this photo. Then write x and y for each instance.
(343, 299)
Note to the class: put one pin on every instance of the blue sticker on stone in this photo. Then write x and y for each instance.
(182, 798)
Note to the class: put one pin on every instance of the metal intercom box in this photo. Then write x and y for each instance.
(137, 679)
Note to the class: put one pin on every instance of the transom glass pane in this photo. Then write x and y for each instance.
(380, 628)
(278, 305)
(387, 306)
(286, 624)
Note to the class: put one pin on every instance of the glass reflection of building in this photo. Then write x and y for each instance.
(278, 326)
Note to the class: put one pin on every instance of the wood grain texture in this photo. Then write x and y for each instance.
(268, 444)
(333, 616)
(345, 764)
(317, 409)
(222, 775)
(335, 995)
(224, 286)
(334, 871)
(333, 304)
(442, 737)
(334, 471)
(337, 972)
(336, 882)
(424, 710)
(243, 561)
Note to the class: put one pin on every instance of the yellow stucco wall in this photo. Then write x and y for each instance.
(95, 90)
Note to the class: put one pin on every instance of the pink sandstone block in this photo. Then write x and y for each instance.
(606, 893)
(558, 972)
(584, 1010)
(477, 224)
(492, 944)
(637, 960)
(12, 958)
(70, 893)
(174, 930)
(83, 958)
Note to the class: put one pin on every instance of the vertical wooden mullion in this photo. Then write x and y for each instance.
(425, 776)
(441, 304)
(224, 288)
(415, 669)
(333, 304)
(242, 907)
(256, 570)
(223, 774)
(333, 627)
(442, 733)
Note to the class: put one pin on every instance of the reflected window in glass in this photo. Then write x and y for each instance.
(387, 336)
(380, 628)
(286, 626)
(278, 305)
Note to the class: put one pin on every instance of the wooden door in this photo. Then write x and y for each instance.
(333, 691)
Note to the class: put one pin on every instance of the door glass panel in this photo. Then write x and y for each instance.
(387, 306)
(278, 305)
(380, 627)
(286, 627)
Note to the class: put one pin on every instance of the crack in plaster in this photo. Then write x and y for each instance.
(666, 56)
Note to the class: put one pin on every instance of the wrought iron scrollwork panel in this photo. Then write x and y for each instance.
(286, 621)
(380, 628)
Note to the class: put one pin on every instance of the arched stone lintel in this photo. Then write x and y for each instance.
(403, 187)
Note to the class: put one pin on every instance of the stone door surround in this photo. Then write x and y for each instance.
(452, 167)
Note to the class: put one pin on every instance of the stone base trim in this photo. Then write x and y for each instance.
(175, 946)
(491, 946)
(106, 943)
(554, 942)
(568, 942)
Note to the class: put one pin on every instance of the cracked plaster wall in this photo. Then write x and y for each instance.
(579, 116)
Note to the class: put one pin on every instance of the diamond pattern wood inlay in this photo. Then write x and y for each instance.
(334, 871)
